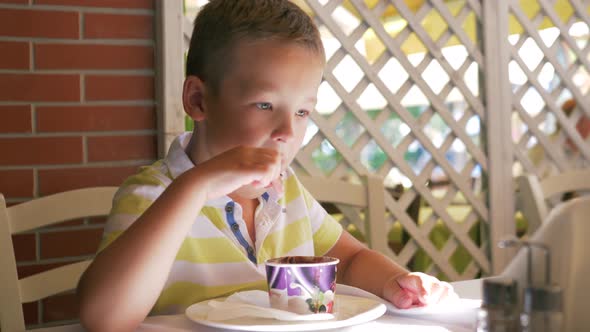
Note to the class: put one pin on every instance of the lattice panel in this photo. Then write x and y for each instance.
(348, 140)
(549, 66)
(401, 99)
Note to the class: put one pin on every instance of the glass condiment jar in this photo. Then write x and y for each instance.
(498, 312)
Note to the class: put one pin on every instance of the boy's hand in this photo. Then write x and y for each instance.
(240, 166)
(417, 289)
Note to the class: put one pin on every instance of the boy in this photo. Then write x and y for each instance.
(200, 223)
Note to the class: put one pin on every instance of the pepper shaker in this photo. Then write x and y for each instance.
(498, 312)
(542, 305)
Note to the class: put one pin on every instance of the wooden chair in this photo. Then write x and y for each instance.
(535, 194)
(565, 233)
(33, 214)
(369, 196)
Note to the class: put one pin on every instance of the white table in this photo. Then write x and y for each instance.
(388, 322)
(565, 231)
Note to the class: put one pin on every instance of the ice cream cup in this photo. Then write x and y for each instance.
(302, 284)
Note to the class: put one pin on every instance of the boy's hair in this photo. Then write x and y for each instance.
(221, 24)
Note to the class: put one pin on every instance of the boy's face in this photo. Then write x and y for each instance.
(263, 100)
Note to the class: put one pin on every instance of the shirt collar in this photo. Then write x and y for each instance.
(177, 160)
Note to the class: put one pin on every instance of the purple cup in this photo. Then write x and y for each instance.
(302, 284)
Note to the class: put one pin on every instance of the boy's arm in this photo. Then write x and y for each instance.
(363, 267)
(123, 282)
(370, 270)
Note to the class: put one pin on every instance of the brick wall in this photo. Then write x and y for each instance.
(76, 110)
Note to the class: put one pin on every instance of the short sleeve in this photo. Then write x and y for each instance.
(132, 199)
(326, 230)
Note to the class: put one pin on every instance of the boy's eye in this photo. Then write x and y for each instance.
(302, 113)
(264, 106)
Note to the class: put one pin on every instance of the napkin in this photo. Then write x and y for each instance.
(461, 312)
(254, 303)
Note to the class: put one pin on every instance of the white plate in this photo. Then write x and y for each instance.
(348, 311)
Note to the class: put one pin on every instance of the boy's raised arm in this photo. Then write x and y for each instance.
(123, 282)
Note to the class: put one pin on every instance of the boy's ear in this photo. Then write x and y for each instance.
(193, 93)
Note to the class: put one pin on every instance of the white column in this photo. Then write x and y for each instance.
(169, 71)
(497, 96)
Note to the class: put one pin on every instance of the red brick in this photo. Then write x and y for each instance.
(38, 23)
(115, 26)
(69, 223)
(29, 270)
(19, 2)
(15, 119)
(25, 247)
(134, 4)
(112, 148)
(60, 307)
(68, 56)
(57, 180)
(16, 183)
(95, 118)
(40, 150)
(70, 243)
(106, 87)
(31, 313)
(39, 87)
(14, 55)
(97, 220)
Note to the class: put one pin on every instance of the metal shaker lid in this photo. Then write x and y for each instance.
(543, 298)
(499, 292)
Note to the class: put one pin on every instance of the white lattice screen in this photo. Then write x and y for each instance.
(549, 65)
(434, 107)
(402, 98)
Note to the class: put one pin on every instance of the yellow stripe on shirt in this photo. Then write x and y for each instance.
(326, 236)
(131, 204)
(279, 245)
(183, 294)
(200, 251)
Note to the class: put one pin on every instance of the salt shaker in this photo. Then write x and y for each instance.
(542, 309)
(542, 305)
(498, 312)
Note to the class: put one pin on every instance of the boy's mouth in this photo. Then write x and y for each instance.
(277, 183)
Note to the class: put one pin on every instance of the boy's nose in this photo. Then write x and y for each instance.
(284, 130)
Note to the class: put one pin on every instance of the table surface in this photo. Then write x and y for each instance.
(470, 289)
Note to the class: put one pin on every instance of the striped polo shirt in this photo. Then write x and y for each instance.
(217, 256)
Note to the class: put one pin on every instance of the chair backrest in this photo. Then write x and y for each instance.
(370, 196)
(30, 215)
(565, 233)
(534, 193)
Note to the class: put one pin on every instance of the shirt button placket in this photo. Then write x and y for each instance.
(229, 209)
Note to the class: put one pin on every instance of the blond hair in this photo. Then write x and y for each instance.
(221, 24)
